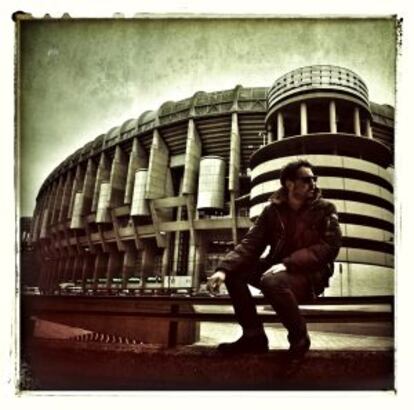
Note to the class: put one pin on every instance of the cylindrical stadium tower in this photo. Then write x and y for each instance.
(134, 207)
(322, 113)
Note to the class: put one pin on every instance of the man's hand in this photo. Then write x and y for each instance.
(276, 268)
(214, 282)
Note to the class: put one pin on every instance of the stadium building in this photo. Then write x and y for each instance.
(158, 200)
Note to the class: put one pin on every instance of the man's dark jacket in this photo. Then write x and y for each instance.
(317, 233)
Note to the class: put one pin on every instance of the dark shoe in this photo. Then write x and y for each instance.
(251, 344)
(300, 347)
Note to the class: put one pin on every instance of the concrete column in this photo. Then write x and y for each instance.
(103, 174)
(357, 122)
(166, 258)
(192, 159)
(65, 197)
(114, 267)
(369, 128)
(177, 235)
(128, 265)
(234, 162)
(118, 178)
(332, 117)
(148, 260)
(100, 268)
(192, 259)
(270, 136)
(303, 119)
(137, 159)
(58, 201)
(199, 267)
(157, 168)
(233, 215)
(89, 186)
(76, 187)
(77, 268)
(87, 269)
(280, 126)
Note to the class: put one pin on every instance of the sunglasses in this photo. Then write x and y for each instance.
(308, 179)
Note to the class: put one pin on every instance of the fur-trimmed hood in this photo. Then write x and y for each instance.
(280, 196)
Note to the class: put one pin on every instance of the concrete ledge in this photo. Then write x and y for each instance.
(68, 365)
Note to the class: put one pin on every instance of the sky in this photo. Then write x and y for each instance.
(79, 78)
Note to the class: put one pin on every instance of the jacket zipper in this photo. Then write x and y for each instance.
(282, 237)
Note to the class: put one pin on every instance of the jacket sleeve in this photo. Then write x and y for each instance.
(250, 247)
(317, 256)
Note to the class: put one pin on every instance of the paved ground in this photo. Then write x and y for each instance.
(325, 336)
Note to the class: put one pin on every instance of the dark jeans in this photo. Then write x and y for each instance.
(283, 291)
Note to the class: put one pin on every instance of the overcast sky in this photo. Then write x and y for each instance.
(81, 78)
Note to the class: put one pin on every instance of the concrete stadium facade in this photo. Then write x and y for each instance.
(157, 201)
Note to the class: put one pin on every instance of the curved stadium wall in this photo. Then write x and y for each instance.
(157, 201)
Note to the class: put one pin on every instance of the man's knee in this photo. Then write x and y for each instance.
(275, 281)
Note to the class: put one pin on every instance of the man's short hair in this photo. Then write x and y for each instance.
(289, 171)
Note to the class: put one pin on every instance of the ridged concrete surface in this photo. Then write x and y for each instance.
(63, 365)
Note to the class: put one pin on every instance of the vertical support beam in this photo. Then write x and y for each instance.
(76, 187)
(76, 221)
(58, 201)
(166, 257)
(332, 117)
(137, 159)
(369, 128)
(233, 216)
(88, 235)
(157, 168)
(102, 212)
(148, 259)
(193, 242)
(52, 200)
(234, 170)
(114, 267)
(45, 223)
(46, 214)
(303, 118)
(67, 238)
(34, 231)
(87, 269)
(138, 242)
(177, 235)
(66, 196)
(77, 263)
(234, 163)
(78, 245)
(97, 269)
(102, 174)
(357, 122)
(192, 159)
(115, 224)
(200, 258)
(59, 273)
(156, 221)
(89, 186)
(117, 178)
(156, 184)
(280, 126)
(270, 136)
(139, 205)
(102, 238)
(128, 264)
